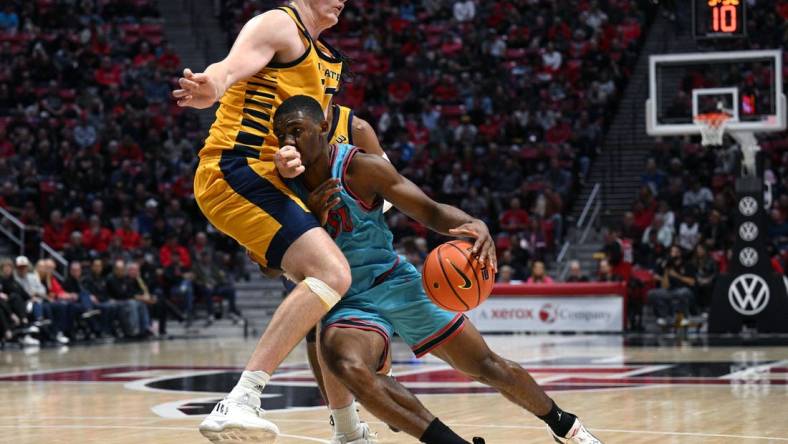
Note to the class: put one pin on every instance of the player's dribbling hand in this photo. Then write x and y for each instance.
(288, 162)
(323, 198)
(197, 90)
(484, 247)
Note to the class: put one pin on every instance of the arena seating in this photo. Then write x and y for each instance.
(688, 196)
(95, 158)
(519, 103)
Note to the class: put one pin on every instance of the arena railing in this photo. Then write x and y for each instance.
(8, 225)
(15, 230)
(61, 264)
(587, 220)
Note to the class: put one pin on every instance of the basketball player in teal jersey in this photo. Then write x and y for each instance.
(345, 188)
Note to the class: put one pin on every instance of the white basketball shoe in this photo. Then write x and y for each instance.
(233, 422)
(362, 435)
(578, 434)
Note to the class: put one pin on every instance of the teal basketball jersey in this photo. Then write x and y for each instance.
(359, 230)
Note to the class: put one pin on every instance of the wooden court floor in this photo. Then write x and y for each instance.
(156, 392)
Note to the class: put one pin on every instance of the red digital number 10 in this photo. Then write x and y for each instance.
(724, 18)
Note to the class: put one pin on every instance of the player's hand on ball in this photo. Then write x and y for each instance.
(197, 90)
(288, 162)
(484, 247)
(323, 198)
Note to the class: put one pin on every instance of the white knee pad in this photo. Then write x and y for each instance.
(328, 295)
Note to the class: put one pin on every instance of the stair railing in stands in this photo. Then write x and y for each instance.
(15, 230)
(61, 264)
(587, 220)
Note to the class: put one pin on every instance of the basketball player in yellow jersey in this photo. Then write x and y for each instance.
(276, 55)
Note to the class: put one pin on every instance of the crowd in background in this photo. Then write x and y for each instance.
(97, 161)
(497, 107)
(680, 229)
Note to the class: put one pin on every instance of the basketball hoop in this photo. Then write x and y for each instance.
(712, 127)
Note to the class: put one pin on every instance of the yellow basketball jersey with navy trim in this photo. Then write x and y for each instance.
(244, 119)
(341, 125)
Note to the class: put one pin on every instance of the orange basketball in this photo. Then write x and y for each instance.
(453, 279)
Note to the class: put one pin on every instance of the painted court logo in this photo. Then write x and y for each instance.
(749, 294)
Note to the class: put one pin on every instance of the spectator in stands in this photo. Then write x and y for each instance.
(179, 285)
(558, 178)
(697, 197)
(538, 275)
(171, 249)
(533, 240)
(594, 17)
(145, 302)
(675, 294)
(778, 229)
(613, 248)
(96, 238)
(130, 239)
(715, 232)
(75, 250)
(629, 229)
(85, 134)
(8, 320)
(60, 302)
(552, 58)
(519, 265)
(119, 292)
(475, 205)
(14, 299)
(605, 273)
(96, 285)
(56, 232)
(464, 10)
(667, 215)
(455, 185)
(9, 20)
(200, 246)
(576, 273)
(509, 178)
(515, 219)
(664, 235)
(706, 274)
(35, 292)
(653, 177)
(75, 288)
(42, 311)
(689, 232)
(210, 281)
(649, 252)
(505, 275)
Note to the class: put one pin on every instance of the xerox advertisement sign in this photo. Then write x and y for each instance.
(550, 314)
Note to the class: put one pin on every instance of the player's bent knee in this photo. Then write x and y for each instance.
(355, 374)
(328, 295)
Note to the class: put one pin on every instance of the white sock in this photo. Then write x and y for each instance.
(250, 387)
(346, 420)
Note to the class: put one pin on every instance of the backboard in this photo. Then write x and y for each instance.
(745, 84)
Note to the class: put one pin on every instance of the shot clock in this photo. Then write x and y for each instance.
(719, 18)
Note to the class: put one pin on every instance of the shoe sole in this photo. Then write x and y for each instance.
(239, 434)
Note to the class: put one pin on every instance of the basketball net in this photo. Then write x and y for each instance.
(712, 127)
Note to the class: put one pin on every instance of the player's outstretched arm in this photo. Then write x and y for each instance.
(377, 178)
(256, 45)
